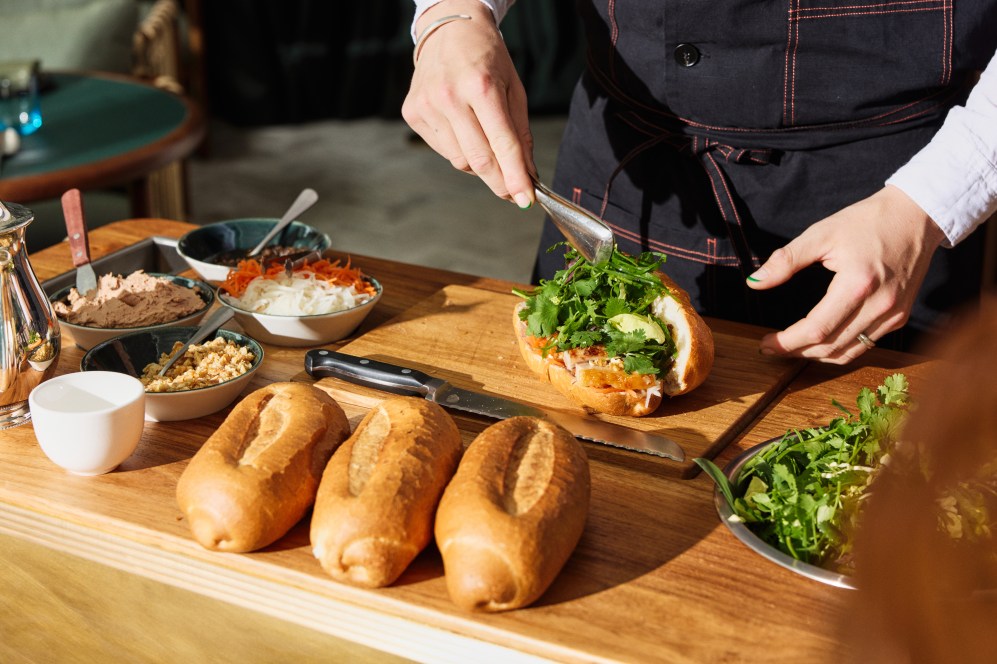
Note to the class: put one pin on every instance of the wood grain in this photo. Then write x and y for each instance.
(465, 336)
(655, 577)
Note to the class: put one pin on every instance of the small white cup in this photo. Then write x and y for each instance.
(88, 422)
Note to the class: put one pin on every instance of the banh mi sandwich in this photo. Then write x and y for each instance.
(614, 337)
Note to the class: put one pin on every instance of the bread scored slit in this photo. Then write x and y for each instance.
(529, 469)
(367, 449)
(253, 441)
(512, 514)
(258, 473)
(375, 505)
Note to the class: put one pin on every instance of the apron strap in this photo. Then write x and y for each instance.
(710, 154)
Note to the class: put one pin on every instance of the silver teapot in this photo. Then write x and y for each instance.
(29, 330)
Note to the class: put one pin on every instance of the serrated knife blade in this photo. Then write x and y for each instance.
(322, 363)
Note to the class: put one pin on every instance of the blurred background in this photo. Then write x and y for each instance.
(306, 93)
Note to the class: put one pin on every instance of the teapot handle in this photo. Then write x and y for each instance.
(9, 355)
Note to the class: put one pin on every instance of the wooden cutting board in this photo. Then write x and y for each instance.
(465, 335)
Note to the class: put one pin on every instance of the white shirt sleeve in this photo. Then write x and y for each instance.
(498, 7)
(954, 177)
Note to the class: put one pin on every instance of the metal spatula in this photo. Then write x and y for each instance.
(79, 244)
(583, 230)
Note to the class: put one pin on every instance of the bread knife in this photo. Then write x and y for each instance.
(322, 363)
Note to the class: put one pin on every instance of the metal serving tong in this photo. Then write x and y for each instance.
(583, 230)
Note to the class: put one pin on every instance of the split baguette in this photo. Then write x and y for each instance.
(375, 505)
(692, 364)
(512, 514)
(257, 475)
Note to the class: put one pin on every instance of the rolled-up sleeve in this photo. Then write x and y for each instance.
(954, 177)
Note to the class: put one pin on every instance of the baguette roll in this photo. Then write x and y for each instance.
(257, 475)
(512, 514)
(375, 505)
(589, 378)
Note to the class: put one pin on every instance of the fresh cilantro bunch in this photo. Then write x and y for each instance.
(573, 309)
(802, 494)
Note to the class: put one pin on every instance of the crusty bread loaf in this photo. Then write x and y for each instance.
(257, 475)
(692, 336)
(512, 514)
(375, 505)
(693, 361)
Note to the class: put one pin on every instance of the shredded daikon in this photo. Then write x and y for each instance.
(298, 295)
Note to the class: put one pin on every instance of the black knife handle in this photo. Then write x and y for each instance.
(321, 363)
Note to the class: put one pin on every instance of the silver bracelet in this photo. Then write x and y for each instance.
(433, 27)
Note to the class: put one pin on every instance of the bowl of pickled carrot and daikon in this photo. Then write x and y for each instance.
(312, 303)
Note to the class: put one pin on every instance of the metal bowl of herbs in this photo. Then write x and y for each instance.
(796, 499)
(743, 532)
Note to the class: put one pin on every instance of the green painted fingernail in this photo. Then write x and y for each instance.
(757, 275)
(523, 201)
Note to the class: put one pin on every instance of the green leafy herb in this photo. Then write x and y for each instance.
(802, 494)
(573, 309)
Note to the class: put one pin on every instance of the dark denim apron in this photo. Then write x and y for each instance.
(715, 131)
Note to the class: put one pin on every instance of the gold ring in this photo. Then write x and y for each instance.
(866, 341)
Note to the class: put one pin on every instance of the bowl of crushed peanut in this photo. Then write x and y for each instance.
(208, 378)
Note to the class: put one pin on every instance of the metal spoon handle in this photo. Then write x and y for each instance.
(208, 326)
(583, 230)
(305, 200)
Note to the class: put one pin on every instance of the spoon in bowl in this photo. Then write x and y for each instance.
(208, 326)
(305, 200)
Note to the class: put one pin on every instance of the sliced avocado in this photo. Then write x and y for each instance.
(631, 322)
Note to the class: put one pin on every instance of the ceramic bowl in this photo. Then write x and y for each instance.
(88, 423)
(87, 337)
(201, 245)
(130, 353)
(300, 331)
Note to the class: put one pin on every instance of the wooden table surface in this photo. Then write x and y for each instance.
(656, 576)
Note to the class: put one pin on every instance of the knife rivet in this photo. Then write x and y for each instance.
(364, 361)
(406, 371)
(453, 398)
(323, 352)
(76, 236)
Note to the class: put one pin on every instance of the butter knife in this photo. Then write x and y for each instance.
(321, 363)
(79, 242)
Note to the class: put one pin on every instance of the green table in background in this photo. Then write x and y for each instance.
(107, 130)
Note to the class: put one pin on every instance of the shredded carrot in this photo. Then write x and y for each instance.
(333, 273)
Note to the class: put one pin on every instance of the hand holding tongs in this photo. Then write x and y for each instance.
(584, 231)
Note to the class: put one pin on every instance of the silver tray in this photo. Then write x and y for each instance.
(153, 254)
(755, 543)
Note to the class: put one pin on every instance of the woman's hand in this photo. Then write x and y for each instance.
(467, 102)
(879, 250)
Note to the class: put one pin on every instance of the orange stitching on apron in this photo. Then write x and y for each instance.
(609, 86)
(795, 40)
(947, 46)
(879, 12)
(872, 9)
(790, 24)
(707, 258)
(719, 174)
(614, 35)
(797, 14)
